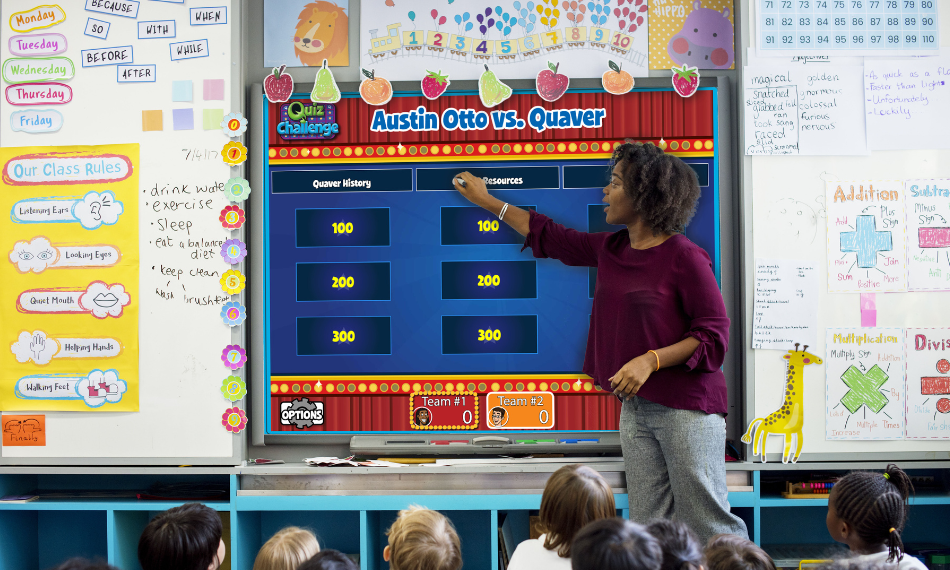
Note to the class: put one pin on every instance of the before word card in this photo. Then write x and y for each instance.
(847, 27)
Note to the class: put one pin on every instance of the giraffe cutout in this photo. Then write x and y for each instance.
(788, 420)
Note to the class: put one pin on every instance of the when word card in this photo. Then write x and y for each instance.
(847, 27)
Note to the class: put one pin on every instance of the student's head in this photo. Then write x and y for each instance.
(731, 552)
(648, 184)
(287, 550)
(574, 496)
(182, 538)
(83, 564)
(615, 544)
(329, 560)
(681, 550)
(421, 539)
(868, 509)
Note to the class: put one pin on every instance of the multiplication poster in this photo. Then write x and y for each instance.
(928, 234)
(866, 236)
(928, 383)
(865, 383)
(404, 40)
(69, 280)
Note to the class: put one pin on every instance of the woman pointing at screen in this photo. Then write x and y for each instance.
(658, 333)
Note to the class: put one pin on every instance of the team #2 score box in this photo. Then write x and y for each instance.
(394, 305)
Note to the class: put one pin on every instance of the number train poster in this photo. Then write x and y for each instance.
(404, 40)
(69, 292)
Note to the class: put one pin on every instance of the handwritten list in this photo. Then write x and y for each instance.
(805, 110)
(785, 309)
(906, 102)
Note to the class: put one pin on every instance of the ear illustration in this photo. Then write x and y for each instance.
(725, 13)
(697, 4)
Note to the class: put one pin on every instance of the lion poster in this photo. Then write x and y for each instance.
(298, 33)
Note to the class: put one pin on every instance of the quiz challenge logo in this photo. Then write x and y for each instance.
(303, 120)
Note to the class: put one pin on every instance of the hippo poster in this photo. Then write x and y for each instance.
(698, 33)
(300, 33)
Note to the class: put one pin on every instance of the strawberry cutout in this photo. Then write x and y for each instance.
(685, 80)
(434, 84)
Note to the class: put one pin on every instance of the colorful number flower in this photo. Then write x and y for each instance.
(234, 251)
(234, 153)
(234, 356)
(233, 388)
(232, 282)
(234, 419)
(232, 217)
(233, 313)
(237, 189)
(234, 124)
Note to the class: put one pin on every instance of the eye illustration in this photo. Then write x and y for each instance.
(26, 256)
(44, 255)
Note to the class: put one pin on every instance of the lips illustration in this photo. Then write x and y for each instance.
(105, 300)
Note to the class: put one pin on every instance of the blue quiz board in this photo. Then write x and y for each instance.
(847, 27)
(386, 269)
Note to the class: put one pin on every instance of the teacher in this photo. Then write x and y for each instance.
(658, 333)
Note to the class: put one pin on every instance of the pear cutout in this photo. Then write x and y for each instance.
(324, 86)
(490, 90)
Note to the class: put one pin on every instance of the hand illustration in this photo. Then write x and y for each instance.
(38, 345)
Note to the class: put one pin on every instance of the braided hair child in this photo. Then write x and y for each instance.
(867, 511)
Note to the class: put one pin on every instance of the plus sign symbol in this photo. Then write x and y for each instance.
(864, 389)
(866, 241)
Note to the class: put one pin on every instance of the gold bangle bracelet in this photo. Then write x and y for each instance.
(657, 360)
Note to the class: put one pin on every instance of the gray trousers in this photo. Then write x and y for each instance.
(676, 468)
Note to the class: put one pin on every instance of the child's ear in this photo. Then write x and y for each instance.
(386, 553)
(846, 530)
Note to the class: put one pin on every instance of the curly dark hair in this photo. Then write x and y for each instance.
(875, 504)
(664, 189)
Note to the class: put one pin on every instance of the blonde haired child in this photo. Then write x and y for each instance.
(422, 539)
(287, 549)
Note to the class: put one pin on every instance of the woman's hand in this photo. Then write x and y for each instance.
(474, 190)
(627, 381)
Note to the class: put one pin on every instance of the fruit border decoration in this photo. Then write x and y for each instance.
(375, 90)
(279, 86)
(491, 90)
(434, 84)
(550, 84)
(685, 80)
(325, 89)
(616, 81)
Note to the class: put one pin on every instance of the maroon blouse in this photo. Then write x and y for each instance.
(643, 300)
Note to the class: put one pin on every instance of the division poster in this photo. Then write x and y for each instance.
(866, 236)
(928, 383)
(865, 384)
(69, 277)
(404, 39)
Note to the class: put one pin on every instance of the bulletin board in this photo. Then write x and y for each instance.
(870, 226)
(113, 269)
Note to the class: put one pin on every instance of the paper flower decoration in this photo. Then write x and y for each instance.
(232, 282)
(234, 124)
(232, 217)
(233, 313)
(234, 251)
(237, 189)
(234, 356)
(234, 153)
(233, 388)
(234, 419)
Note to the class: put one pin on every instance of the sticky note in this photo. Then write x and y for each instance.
(151, 120)
(183, 119)
(24, 430)
(181, 90)
(214, 90)
(212, 119)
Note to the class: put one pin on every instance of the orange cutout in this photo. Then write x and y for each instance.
(24, 431)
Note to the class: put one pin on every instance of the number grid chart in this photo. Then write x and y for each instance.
(847, 27)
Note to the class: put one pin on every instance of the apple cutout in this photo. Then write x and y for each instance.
(551, 85)
(278, 86)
